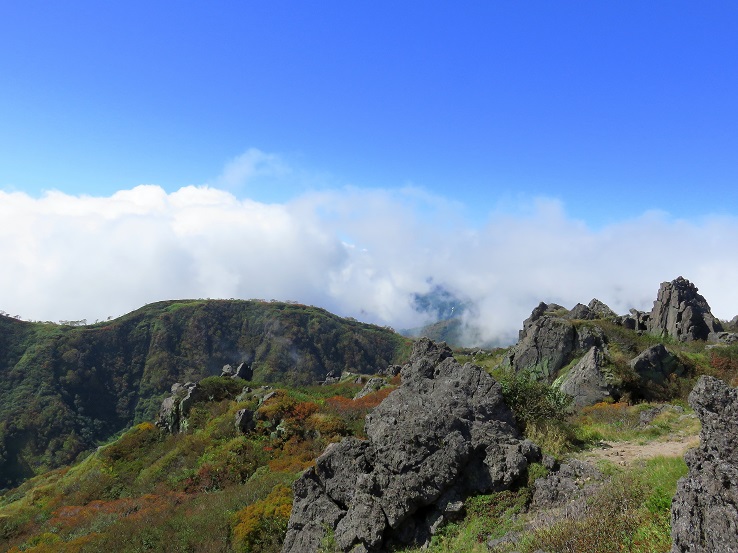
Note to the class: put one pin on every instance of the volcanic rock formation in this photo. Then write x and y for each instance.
(443, 435)
(704, 511)
(682, 313)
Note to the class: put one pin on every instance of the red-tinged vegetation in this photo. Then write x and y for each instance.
(724, 361)
(353, 409)
(609, 413)
(150, 491)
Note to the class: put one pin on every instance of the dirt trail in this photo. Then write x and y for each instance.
(626, 453)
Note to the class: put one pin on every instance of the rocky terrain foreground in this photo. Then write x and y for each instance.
(423, 454)
(705, 507)
(443, 435)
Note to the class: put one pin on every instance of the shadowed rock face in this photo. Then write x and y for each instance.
(682, 313)
(704, 512)
(588, 382)
(550, 339)
(445, 434)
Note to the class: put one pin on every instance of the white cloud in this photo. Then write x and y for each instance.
(357, 252)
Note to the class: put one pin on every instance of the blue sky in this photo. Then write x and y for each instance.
(607, 110)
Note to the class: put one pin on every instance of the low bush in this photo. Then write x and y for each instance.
(260, 527)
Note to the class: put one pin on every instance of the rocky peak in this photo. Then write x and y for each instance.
(682, 313)
(601, 309)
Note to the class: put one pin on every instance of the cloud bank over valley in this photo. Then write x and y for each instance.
(365, 253)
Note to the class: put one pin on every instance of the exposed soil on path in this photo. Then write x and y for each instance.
(626, 453)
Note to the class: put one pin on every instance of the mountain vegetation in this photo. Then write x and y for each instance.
(601, 478)
(65, 388)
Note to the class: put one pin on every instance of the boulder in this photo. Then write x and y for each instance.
(636, 320)
(724, 337)
(227, 371)
(657, 364)
(545, 346)
(245, 421)
(175, 408)
(443, 435)
(243, 370)
(391, 370)
(548, 342)
(682, 313)
(704, 511)
(581, 311)
(588, 382)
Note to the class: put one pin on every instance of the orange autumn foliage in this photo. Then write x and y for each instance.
(354, 409)
(257, 526)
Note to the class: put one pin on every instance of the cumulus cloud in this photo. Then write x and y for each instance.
(357, 252)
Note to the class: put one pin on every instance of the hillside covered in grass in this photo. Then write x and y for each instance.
(213, 488)
(64, 388)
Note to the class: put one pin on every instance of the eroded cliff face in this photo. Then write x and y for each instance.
(445, 434)
(704, 511)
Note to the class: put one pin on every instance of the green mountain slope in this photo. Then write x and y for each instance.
(64, 388)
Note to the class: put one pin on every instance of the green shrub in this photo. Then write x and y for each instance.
(218, 388)
(532, 400)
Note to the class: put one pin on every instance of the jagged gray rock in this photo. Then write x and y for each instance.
(243, 370)
(581, 311)
(444, 434)
(245, 421)
(548, 342)
(657, 364)
(589, 382)
(724, 337)
(682, 313)
(545, 345)
(601, 309)
(704, 511)
(636, 320)
(175, 408)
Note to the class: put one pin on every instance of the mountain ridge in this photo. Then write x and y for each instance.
(63, 388)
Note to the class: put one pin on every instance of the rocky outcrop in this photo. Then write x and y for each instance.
(443, 435)
(656, 364)
(243, 370)
(704, 511)
(682, 313)
(372, 385)
(589, 381)
(546, 344)
(581, 311)
(601, 309)
(635, 320)
(244, 421)
(175, 408)
(549, 340)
